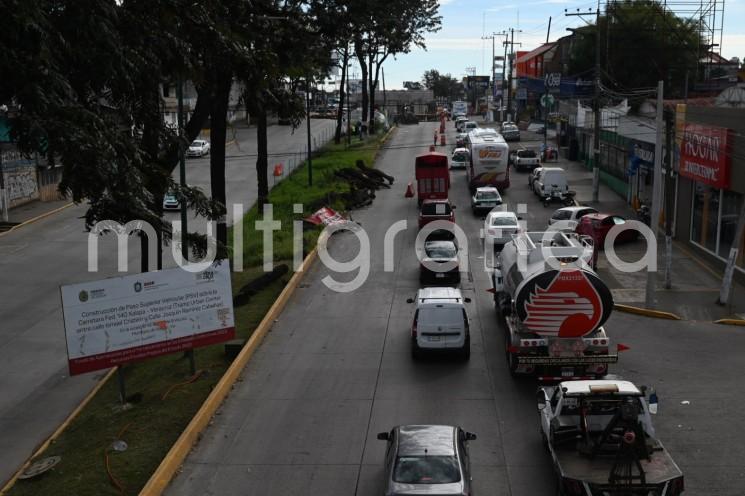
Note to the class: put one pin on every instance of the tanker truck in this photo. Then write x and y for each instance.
(554, 307)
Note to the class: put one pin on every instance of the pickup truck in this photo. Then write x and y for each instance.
(602, 442)
(525, 160)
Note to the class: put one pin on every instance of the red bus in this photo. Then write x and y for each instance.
(432, 176)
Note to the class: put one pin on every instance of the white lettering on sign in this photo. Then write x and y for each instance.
(700, 171)
(705, 147)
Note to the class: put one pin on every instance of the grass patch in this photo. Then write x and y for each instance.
(154, 423)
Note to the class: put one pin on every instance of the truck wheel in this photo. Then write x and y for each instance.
(416, 352)
(465, 352)
(511, 357)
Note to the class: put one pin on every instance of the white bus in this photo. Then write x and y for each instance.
(489, 164)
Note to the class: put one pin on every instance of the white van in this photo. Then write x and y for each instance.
(551, 181)
(440, 322)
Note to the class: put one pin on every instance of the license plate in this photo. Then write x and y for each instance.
(567, 372)
(440, 275)
(488, 204)
(434, 338)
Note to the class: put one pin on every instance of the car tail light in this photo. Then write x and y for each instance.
(413, 330)
(677, 486)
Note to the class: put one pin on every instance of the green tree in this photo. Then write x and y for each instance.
(640, 44)
(445, 86)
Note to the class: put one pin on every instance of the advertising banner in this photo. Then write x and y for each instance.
(705, 154)
(124, 319)
(326, 216)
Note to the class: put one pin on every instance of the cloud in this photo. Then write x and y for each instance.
(733, 45)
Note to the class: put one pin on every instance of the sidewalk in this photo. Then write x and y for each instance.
(34, 209)
(695, 284)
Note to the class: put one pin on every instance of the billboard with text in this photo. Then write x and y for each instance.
(124, 319)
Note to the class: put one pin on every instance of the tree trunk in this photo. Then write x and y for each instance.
(363, 70)
(262, 158)
(371, 115)
(374, 69)
(342, 89)
(218, 134)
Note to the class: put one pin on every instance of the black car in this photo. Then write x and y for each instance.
(437, 253)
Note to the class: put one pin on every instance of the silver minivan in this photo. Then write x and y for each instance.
(441, 322)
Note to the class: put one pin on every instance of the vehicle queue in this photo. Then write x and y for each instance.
(596, 428)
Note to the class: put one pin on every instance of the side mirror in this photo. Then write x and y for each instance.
(383, 436)
(643, 389)
(467, 300)
(452, 207)
(409, 300)
(470, 436)
(519, 217)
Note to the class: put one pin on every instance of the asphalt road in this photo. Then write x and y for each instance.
(336, 370)
(37, 393)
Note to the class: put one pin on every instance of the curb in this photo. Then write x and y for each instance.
(73, 415)
(188, 438)
(646, 312)
(34, 219)
(734, 322)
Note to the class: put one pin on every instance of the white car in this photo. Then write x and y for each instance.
(570, 216)
(198, 148)
(459, 159)
(441, 322)
(499, 226)
(485, 198)
(170, 202)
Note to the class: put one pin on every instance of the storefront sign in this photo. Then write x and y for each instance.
(123, 319)
(705, 154)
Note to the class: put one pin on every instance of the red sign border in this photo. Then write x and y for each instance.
(723, 168)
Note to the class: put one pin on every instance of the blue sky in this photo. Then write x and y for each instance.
(459, 45)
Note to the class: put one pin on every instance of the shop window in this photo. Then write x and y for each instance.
(731, 202)
(705, 216)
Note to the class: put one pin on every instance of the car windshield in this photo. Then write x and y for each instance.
(526, 154)
(436, 209)
(197, 143)
(487, 195)
(426, 470)
(460, 156)
(440, 250)
(503, 221)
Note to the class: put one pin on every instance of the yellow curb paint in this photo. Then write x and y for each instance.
(646, 312)
(38, 217)
(175, 457)
(735, 322)
(41, 449)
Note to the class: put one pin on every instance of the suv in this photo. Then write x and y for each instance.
(440, 322)
(551, 181)
(570, 216)
(525, 159)
(427, 459)
(433, 210)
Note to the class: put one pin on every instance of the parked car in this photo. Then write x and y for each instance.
(570, 216)
(499, 226)
(532, 176)
(511, 133)
(525, 159)
(433, 210)
(485, 198)
(597, 225)
(170, 202)
(507, 123)
(427, 459)
(198, 148)
(437, 253)
(459, 159)
(440, 322)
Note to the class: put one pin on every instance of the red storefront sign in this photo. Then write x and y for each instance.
(705, 154)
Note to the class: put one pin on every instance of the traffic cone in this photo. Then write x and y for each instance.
(409, 191)
(442, 139)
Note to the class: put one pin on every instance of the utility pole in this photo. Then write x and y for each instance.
(3, 192)
(669, 197)
(545, 106)
(509, 76)
(595, 104)
(654, 220)
(349, 104)
(307, 120)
